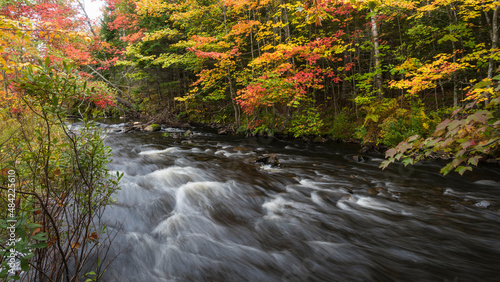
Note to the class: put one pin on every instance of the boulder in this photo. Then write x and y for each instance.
(152, 127)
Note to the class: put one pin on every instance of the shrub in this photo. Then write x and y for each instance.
(342, 127)
(62, 181)
(388, 123)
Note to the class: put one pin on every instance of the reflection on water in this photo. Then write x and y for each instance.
(200, 209)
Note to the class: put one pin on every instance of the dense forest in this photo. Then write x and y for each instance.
(419, 78)
(375, 71)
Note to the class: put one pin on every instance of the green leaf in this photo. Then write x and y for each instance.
(482, 84)
(372, 5)
(40, 236)
(413, 138)
(408, 161)
(24, 264)
(385, 164)
(398, 156)
(28, 256)
(40, 245)
(462, 169)
(32, 225)
(445, 170)
(47, 62)
(474, 160)
(4, 272)
(494, 101)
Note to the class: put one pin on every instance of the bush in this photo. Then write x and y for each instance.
(306, 123)
(342, 127)
(405, 123)
(61, 179)
(388, 123)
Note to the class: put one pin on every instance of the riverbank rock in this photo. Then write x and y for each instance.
(152, 127)
(269, 159)
(188, 133)
(223, 131)
(136, 126)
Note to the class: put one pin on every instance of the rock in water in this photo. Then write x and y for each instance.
(270, 159)
(188, 133)
(358, 158)
(222, 131)
(153, 127)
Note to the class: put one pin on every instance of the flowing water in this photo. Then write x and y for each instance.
(201, 209)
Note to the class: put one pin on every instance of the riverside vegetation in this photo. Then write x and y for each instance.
(55, 181)
(381, 72)
(420, 77)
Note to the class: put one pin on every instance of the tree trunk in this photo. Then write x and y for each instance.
(284, 13)
(494, 40)
(376, 52)
(236, 107)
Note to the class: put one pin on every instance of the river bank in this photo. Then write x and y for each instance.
(149, 124)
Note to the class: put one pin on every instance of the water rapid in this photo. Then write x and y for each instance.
(200, 209)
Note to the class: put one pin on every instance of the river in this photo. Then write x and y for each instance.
(200, 209)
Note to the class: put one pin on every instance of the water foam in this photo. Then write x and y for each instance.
(154, 152)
